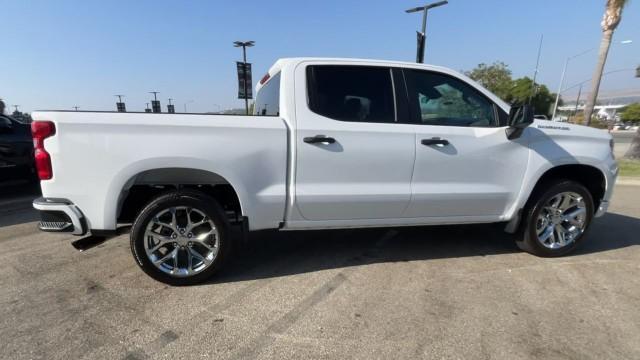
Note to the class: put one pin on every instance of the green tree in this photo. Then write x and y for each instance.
(522, 89)
(495, 77)
(631, 113)
(610, 20)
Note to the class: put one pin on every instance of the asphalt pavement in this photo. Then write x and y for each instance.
(462, 292)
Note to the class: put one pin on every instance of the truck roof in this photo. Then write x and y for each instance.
(293, 61)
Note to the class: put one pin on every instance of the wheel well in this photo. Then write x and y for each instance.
(589, 176)
(144, 187)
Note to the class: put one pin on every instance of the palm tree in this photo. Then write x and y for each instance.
(610, 20)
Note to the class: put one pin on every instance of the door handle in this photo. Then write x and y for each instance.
(435, 141)
(319, 139)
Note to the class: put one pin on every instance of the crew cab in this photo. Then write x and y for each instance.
(332, 143)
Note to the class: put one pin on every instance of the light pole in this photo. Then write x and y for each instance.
(423, 35)
(564, 70)
(244, 45)
(120, 107)
(185, 105)
(581, 83)
(155, 104)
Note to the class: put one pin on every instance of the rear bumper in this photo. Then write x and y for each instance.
(60, 215)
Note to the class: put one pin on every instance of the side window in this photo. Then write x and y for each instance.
(445, 100)
(268, 98)
(351, 93)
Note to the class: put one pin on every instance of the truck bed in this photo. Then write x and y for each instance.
(96, 156)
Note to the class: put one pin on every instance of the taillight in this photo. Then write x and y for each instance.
(41, 130)
(264, 79)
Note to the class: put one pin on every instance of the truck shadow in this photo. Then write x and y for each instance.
(276, 254)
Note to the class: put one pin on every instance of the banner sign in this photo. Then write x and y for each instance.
(241, 80)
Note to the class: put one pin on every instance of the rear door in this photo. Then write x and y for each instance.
(354, 156)
(465, 165)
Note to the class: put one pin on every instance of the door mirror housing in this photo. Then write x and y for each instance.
(520, 117)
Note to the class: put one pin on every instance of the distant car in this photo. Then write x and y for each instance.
(540, 117)
(16, 152)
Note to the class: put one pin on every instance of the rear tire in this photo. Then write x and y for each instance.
(181, 238)
(556, 219)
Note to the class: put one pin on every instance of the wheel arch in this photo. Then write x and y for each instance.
(144, 185)
(589, 176)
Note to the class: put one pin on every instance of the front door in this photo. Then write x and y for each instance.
(465, 165)
(354, 160)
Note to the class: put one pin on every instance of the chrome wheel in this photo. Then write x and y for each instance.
(561, 220)
(181, 241)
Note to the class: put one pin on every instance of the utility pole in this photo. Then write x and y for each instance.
(577, 100)
(422, 36)
(535, 72)
(76, 107)
(171, 108)
(244, 45)
(564, 71)
(155, 104)
(16, 107)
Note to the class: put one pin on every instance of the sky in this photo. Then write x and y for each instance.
(60, 54)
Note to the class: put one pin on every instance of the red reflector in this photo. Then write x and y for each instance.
(41, 130)
(264, 79)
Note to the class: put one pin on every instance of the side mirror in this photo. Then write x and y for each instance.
(519, 118)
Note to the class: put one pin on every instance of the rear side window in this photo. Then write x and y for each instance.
(351, 93)
(268, 98)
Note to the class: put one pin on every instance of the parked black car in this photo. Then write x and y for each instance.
(16, 152)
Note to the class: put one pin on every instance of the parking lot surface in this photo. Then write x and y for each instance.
(406, 293)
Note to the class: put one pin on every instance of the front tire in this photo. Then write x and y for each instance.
(556, 219)
(181, 238)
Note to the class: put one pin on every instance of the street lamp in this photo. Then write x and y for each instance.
(244, 45)
(564, 70)
(422, 35)
(185, 105)
(586, 81)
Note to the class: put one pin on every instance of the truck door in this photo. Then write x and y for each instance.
(354, 156)
(465, 165)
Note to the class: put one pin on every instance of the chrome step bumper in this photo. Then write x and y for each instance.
(60, 215)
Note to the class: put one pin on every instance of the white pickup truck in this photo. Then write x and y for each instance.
(333, 143)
